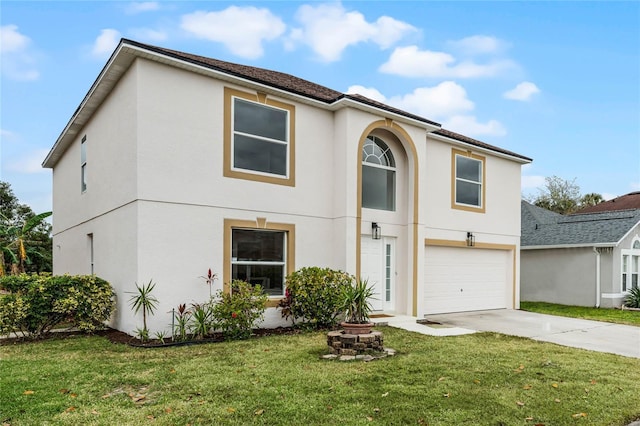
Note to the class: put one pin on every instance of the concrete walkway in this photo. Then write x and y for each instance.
(410, 323)
(592, 335)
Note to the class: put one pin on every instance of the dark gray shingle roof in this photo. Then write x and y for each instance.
(542, 227)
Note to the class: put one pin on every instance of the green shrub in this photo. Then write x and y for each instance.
(633, 298)
(236, 313)
(314, 295)
(36, 303)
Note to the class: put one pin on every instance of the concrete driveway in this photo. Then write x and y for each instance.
(592, 335)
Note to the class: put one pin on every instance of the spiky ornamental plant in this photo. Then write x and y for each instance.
(633, 298)
(144, 301)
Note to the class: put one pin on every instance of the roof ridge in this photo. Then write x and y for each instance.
(312, 90)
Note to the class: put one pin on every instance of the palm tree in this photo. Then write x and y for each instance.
(591, 199)
(16, 241)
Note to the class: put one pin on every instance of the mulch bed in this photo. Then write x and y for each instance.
(119, 337)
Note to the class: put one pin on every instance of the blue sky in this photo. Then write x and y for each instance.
(556, 81)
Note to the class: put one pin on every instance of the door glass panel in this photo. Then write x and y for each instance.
(388, 273)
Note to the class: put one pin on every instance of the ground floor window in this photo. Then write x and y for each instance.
(259, 257)
(259, 252)
(630, 271)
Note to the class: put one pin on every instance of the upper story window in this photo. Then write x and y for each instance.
(83, 164)
(378, 175)
(259, 143)
(468, 176)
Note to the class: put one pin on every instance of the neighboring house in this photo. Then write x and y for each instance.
(587, 259)
(624, 202)
(175, 163)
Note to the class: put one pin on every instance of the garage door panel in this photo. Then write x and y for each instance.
(460, 279)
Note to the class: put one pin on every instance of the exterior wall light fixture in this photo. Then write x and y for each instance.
(376, 231)
(471, 239)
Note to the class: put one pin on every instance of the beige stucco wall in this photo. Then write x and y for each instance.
(157, 197)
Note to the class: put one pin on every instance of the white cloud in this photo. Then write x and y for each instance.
(139, 7)
(7, 135)
(608, 196)
(444, 100)
(522, 92)
(468, 125)
(447, 102)
(12, 40)
(410, 61)
(148, 34)
(531, 182)
(243, 30)
(328, 29)
(105, 43)
(369, 92)
(478, 44)
(30, 163)
(16, 56)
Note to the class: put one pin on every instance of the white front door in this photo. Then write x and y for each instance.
(378, 267)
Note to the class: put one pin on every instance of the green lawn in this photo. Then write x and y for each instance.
(599, 314)
(479, 379)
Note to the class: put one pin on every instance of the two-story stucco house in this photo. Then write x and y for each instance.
(175, 163)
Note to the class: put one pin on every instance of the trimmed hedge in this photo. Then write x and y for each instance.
(315, 296)
(37, 303)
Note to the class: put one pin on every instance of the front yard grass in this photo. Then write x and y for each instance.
(617, 316)
(479, 379)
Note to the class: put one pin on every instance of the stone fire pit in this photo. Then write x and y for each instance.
(365, 347)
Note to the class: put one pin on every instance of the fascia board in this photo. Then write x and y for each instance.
(478, 148)
(560, 246)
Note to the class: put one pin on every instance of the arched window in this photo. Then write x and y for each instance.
(636, 244)
(378, 175)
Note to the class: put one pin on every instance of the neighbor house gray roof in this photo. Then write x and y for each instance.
(128, 50)
(544, 228)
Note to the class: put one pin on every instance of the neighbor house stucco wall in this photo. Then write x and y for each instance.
(564, 275)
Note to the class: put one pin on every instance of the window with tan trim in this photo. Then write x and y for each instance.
(259, 140)
(467, 181)
(259, 253)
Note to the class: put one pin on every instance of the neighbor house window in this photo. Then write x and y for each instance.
(83, 164)
(259, 253)
(378, 175)
(468, 176)
(635, 261)
(259, 138)
(625, 272)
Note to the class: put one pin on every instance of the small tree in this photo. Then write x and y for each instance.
(25, 242)
(563, 196)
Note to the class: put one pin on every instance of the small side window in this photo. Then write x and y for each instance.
(83, 164)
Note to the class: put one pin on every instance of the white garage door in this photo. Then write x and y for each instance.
(461, 279)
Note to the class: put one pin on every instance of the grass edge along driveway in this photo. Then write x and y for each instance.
(479, 379)
(612, 315)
